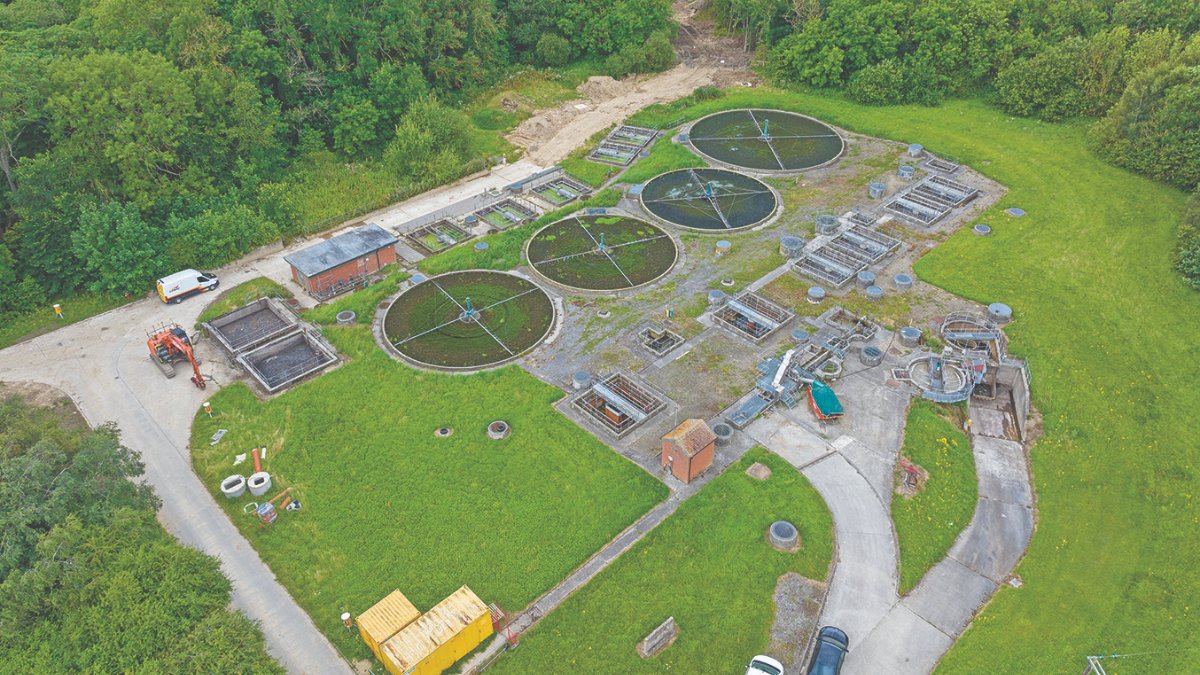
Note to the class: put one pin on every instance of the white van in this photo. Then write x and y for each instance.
(176, 287)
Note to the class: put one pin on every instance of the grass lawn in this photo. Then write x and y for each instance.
(387, 505)
(362, 302)
(928, 523)
(1110, 331)
(75, 308)
(592, 173)
(240, 295)
(708, 565)
(664, 156)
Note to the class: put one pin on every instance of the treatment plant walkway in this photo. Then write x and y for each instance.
(103, 365)
(889, 634)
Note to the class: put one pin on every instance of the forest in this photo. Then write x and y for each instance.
(89, 580)
(140, 138)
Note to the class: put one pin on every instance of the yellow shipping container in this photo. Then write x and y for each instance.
(445, 634)
(384, 620)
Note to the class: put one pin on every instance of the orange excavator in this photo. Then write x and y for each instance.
(169, 344)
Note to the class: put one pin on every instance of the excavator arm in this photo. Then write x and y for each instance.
(170, 344)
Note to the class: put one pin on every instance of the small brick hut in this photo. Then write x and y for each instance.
(688, 449)
(345, 259)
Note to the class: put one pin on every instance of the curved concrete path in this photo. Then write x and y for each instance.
(889, 634)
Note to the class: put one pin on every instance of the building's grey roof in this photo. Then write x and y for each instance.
(337, 250)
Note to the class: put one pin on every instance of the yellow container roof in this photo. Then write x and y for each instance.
(387, 617)
(435, 628)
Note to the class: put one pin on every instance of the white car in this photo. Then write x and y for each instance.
(764, 665)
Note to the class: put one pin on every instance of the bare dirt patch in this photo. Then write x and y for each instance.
(45, 396)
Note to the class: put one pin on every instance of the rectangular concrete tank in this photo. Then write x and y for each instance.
(445, 634)
(386, 618)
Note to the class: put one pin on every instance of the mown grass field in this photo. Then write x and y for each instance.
(240, 295)
(75, 308)
(1110, 331)
(387, 505)
(928, 523)
(664, 156)
(708, 565)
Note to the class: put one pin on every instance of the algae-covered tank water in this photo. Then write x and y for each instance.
(766, 140)
(713, 200)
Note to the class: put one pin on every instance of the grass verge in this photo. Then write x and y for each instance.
(387, 505)
(708, 565)
(928, 522)
(76, 308)
(665, 155)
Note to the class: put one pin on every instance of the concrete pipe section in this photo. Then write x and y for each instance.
(234, 486)
(498, 430)
(783, 535)
(259, 483)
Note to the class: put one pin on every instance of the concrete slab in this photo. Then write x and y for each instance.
(1000, 466)
(875, 465)
(902, 644)
(995, 540)
(949, 596)
(988, 421)
(797, 445)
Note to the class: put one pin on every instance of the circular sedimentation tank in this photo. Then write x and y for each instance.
(468, 320)
(866, 278)
(724, 434)
(874, 293)
(902, 281)
(581, 380)
(345, 317)
(982, 230)
(481, 246)
(800, 336)
(910, 336)
(906, 171)
(766, 141)
(1000, 312)
(791, 247)
(709, 200)
(723, 246)
(827, 223)
(1015, 212)
(876, 188)
(816, 295)
(915, 150)
(601, 253)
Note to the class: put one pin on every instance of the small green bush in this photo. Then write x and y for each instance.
(552, 50)
(707, 93)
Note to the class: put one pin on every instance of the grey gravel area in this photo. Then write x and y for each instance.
(797, 607)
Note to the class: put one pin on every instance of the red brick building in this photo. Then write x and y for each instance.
(688, 449)
(339, 262)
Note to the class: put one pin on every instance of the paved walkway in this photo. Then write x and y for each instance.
(910, 635)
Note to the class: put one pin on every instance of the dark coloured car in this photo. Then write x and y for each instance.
(830, 651)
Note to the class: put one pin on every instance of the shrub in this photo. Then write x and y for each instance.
(552, 50)
(1187, 250)
(707, 93)
(891, 81)
(1049, 85)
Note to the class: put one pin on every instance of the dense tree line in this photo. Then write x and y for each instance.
(136, 138)
(1132, 65)
(89, 581)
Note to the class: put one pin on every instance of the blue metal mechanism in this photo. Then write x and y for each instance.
(766, 130)
(602, 246)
